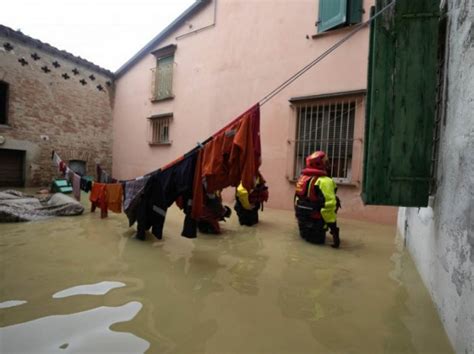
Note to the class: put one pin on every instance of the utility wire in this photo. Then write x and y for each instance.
(303, 70)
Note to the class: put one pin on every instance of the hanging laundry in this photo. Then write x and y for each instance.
(161, 191)
(231, 157)
(86, 184)
(76, 186)
(69, 175)
(56, 159)
(98, 198)
(114, 197)
(133, 191)
(103, 176)
(62, 167)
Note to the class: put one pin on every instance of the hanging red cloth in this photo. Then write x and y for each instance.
(231, 157)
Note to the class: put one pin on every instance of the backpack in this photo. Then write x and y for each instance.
(303, 189)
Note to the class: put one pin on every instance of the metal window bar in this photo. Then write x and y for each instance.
(160, 130)
(328, 127)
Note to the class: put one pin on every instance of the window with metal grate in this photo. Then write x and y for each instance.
(159, 130)
(328, 127)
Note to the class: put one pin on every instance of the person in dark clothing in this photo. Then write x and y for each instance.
(213, 212)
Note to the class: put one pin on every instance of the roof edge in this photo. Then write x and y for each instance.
(19, 36)
(191, 10)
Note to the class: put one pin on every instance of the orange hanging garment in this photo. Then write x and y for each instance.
(229, 158)
(98, 198)
(114, 197)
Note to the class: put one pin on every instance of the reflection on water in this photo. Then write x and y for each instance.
(81, 332)
(250, 290)
(101, 288)
(11, 303)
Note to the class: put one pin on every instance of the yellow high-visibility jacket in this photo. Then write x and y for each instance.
(328, 187)
(243, 196)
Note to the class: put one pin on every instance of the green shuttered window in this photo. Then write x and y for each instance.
(164, 78)
(401, 104)
(162, 87)
(337, 13)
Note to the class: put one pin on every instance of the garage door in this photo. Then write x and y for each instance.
(11, 168)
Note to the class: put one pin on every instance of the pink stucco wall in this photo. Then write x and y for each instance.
(220, 72)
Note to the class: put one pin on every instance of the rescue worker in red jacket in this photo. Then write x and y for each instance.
(247, 204)
(316, 203)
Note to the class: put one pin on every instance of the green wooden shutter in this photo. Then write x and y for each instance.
(401, 104)
(355, 10)
(332, 13)
(164, 78)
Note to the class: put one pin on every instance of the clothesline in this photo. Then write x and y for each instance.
(75, 179)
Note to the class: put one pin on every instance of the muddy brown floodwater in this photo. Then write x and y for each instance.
(82, 284)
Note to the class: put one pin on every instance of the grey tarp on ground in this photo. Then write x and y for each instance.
(16, 206)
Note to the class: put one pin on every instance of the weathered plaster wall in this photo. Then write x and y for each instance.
(47, 112)
(441, 238)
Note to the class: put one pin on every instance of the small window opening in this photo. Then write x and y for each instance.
(4, 102)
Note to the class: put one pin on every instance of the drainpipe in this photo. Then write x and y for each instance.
(202, 28)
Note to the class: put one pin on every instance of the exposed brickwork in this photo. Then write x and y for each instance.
(47, 112)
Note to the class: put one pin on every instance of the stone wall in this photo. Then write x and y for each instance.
(50, 109)
(441, 238)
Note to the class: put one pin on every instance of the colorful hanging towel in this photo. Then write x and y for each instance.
(133, 193)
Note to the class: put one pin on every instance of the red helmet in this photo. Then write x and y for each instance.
(317, 160)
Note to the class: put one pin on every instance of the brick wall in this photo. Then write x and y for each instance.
(48, 112)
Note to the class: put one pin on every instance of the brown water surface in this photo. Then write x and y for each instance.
(82, 284)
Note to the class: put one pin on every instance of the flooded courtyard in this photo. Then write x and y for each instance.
(84, 284)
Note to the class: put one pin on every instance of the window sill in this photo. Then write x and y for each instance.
(334, 31)
(155, 100)
(347, 183)
(168, 143)
(5, 126)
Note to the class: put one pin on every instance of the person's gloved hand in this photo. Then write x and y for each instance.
(338, 204)
(228, 212)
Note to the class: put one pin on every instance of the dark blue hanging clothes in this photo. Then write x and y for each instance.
(161, 191)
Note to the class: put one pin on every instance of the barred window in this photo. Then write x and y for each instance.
(159, 129)
(329, 128)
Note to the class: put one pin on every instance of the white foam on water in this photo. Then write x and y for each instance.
(83, 332)
(101, 288)
(11, 303)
